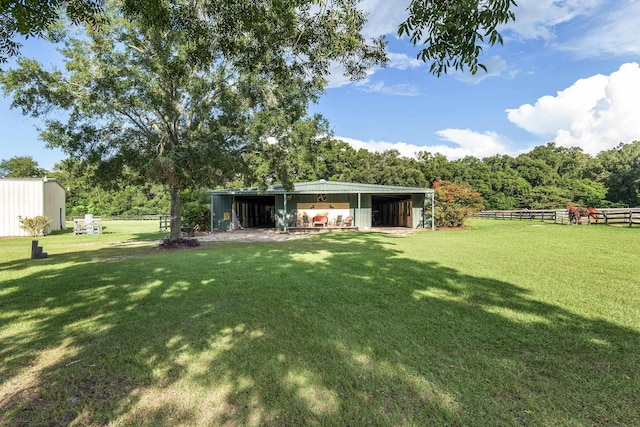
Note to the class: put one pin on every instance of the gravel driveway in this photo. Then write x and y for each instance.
(270, 235)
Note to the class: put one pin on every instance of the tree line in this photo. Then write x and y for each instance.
(547, 177)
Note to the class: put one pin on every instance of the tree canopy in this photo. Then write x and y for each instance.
(33, 18)
(549, 176)
(21, 167)
(621, 173)
(452, 33)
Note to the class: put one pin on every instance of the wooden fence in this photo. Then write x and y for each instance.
(165, 222)
(530, 214)
(627, 216)
(123, 217)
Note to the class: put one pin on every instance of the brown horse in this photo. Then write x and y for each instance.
(576, 212)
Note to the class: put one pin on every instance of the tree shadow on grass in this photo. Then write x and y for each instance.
(73, 249)
(334, 330)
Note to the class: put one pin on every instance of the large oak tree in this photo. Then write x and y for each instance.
(180, 103)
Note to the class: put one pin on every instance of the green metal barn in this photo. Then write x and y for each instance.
(322, 203)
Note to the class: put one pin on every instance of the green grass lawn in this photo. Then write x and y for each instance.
(507, 323)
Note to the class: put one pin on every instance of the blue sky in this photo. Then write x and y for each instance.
(568, 72)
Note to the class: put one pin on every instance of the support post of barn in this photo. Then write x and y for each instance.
(433, 211)
(284, 214)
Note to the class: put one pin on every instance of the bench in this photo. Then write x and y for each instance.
(320, 220)
(81, 226)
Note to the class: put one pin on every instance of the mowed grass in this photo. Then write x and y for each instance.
(507, 323)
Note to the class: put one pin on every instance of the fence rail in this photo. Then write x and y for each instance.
(627, 216)
(165, 222)
(122, 217)
(621, 216)
(530, 214)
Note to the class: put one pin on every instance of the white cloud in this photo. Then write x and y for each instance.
(468, 143)
(473, 143)
(401, 89)
(595, 114)
(607, 28)
(400, 61)
(406, 150)
(593, 28)
(495, 67)
(551, 113)
(383, 16)
(336, 77)
(615, 32)
(537, 19)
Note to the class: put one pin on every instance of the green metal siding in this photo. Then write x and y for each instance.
(417, 207)
(221, 204)
(421, 210)
(363, 217)
(280, 217)
(352, 199)
(428, 213)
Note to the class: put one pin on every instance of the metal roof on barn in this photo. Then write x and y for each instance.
(44, 179)
(322, 186)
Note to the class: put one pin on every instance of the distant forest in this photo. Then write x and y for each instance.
(547, 177)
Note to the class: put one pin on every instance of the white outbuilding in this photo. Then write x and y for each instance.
(30, 197)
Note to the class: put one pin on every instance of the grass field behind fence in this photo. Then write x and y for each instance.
(507, 323)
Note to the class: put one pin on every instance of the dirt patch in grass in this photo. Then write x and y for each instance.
(252, 235)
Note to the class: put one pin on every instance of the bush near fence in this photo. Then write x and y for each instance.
(625, 216)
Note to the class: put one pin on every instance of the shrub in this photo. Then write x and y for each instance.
(35, 226)
(454, 203)
(196, 214)
(196, 210)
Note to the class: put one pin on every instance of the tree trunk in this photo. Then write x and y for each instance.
(176, 219)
